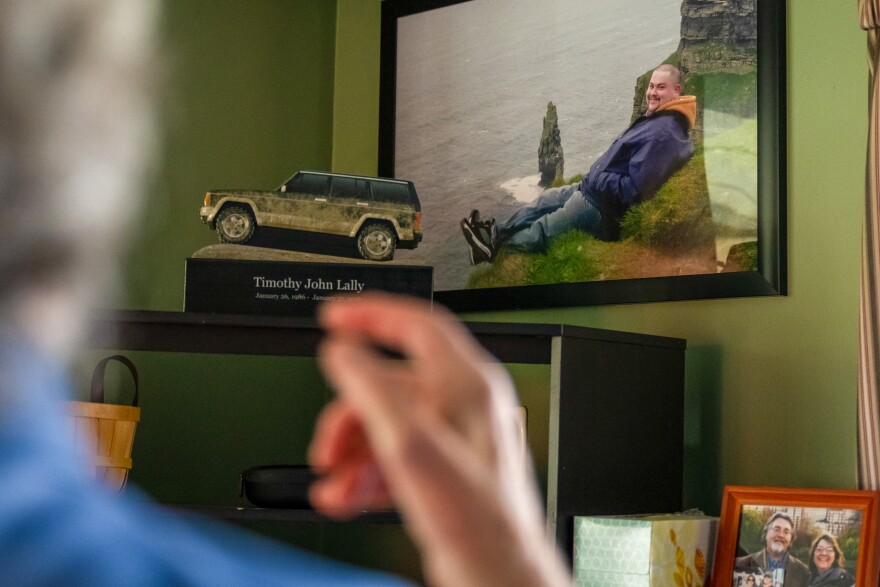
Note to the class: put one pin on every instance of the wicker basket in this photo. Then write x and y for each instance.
(105, 432)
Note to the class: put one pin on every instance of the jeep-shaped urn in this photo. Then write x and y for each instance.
(378, 214)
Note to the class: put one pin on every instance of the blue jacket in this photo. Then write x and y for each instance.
(59, 528)
(639, 161)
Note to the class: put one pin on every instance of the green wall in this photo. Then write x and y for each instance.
(770, 382)
(356, 107)
(248, 101)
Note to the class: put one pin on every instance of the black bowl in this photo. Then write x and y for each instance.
(278, 486)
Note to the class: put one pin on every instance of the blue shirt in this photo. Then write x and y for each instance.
(777, 563)
(59, 528)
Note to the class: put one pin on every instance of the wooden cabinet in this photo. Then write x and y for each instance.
(616, 401)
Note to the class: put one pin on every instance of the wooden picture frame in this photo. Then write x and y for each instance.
(464, 289)
(846, 513)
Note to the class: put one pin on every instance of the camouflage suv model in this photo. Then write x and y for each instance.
(379, 214)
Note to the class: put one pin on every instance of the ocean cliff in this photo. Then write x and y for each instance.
(718, 35)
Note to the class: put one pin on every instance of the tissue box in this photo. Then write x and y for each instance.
(644, 551)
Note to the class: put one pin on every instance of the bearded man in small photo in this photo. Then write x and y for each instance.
(777, 536)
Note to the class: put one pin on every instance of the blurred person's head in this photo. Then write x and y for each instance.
(76, 133)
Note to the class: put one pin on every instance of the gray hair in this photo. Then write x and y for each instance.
(76, 128)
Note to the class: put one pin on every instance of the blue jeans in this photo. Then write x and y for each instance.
(555, 211)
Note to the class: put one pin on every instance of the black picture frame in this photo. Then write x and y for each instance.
(770, 279)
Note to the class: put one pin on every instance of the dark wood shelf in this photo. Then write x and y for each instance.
(616, 403)
(272, 335)
(257, 514)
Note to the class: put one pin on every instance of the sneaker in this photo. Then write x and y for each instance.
(485, 229)
(476, 221)
(479, 250)
(489, 232)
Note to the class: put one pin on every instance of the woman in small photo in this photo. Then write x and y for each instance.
(826, 564)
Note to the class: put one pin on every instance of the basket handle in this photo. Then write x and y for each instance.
(97, 395)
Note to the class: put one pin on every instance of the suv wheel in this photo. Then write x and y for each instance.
(235, 225)
(376, 242)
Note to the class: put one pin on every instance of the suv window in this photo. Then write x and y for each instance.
(396, 193)
(350, 188)
(315, 185)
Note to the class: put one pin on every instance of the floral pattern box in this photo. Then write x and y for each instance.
(644, 551)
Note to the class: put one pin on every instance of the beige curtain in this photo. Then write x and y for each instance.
(869, 309)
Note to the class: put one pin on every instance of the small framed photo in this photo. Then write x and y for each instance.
(780, 537)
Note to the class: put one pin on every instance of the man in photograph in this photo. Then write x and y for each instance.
(777, 536)
(630, 171)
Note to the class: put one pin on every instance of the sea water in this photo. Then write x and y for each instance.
(474, 80)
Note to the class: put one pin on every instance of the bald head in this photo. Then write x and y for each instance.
(672, 72)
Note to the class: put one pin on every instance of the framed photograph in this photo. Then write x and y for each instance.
(775, 537)
(615, 151)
